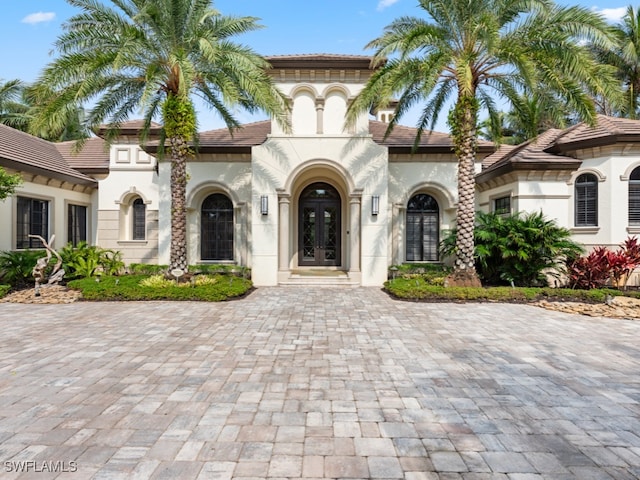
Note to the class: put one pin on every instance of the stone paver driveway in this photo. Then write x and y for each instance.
(324, 383)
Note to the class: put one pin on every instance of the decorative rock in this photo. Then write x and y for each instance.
(48, 294)
(618, 307)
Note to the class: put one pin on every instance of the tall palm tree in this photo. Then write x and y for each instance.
(625, 57)
(13, 110)
(470, 50)
(154, 56)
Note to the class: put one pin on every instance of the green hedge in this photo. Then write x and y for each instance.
(129, 287)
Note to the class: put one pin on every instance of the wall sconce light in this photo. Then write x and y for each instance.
(264, 205)
(375, 205)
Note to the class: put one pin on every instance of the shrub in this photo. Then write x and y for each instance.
(603, 266)
(147, 269)
(138, 287)
(4, 289)
(519, 249)
(16, 267)
(85, 260)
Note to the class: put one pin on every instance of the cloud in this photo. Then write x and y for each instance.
(39, 17)
(612, 14)
(382, 4)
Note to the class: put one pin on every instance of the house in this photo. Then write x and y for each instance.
(321, 203)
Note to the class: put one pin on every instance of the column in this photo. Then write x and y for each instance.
(320, 116)
(284, 201)
(355, 202)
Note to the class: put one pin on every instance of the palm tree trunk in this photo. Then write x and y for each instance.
(178, 251)
(463, 123)
(179, 126)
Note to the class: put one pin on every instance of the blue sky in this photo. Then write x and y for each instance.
(30, 27)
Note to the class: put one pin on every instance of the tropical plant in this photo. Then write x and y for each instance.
(518, 249)
(532, 115)
(84, 260)
(13, 110)
(8, 183)
(472, 50)
(624, 56)
(153, 56)
(16, 267)
(603, 266)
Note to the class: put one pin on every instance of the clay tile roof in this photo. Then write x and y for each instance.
(249, 135)
(607, 131)
(530, 155)
(402, 139)
(92, 158)
(23, 152)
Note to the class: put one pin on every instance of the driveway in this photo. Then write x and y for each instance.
(316, 383)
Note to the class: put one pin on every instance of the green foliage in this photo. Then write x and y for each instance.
(518, 249)
(86, 260)
(420, 289)
(139, 287)
(8, 183)
(146, 269)
(220, 268)
(4, 289)
(16, 267)
(432, 274)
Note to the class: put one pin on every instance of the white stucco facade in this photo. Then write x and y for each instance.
(320, 199)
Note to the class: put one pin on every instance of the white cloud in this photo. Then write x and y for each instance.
(382, 4)
(39, 17)
(612, 14)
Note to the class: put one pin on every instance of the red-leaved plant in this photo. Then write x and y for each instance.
(602, 266)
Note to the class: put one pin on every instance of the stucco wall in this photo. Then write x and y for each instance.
(58, 199)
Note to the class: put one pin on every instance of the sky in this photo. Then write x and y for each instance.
(30, 29)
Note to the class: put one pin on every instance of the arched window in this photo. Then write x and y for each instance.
(139, 220)
(586, 205)
(423, 228)
(216, 228)
(634, 197)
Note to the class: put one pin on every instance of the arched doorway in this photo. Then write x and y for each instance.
(216, 228)
(319, 228)
(423, 228)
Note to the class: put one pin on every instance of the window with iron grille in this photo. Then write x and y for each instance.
(586, 200)
(634, 197)
(76, 224)
(423, 228)
(502, 206)
(139, 227)
(216, 228)
(32, 218)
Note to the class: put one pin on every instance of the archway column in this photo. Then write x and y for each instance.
(355, 209)
(398, 236)
(284, 248)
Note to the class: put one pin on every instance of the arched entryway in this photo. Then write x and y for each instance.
(423, 228)
(216, 228)
(319, 226)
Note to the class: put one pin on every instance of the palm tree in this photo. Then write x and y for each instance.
(470, 50)
(154, 56)
(13, 110)
(533, 114)
(625, 57)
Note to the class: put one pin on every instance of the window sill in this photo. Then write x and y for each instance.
(585, 230)
(133, 242)
(635, 229)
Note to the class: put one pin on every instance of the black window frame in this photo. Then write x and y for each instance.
(502, 205)
(77, 223)
(138, 219)
(32, 218)
(586, 200)
(633, 200)
(422, 229)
